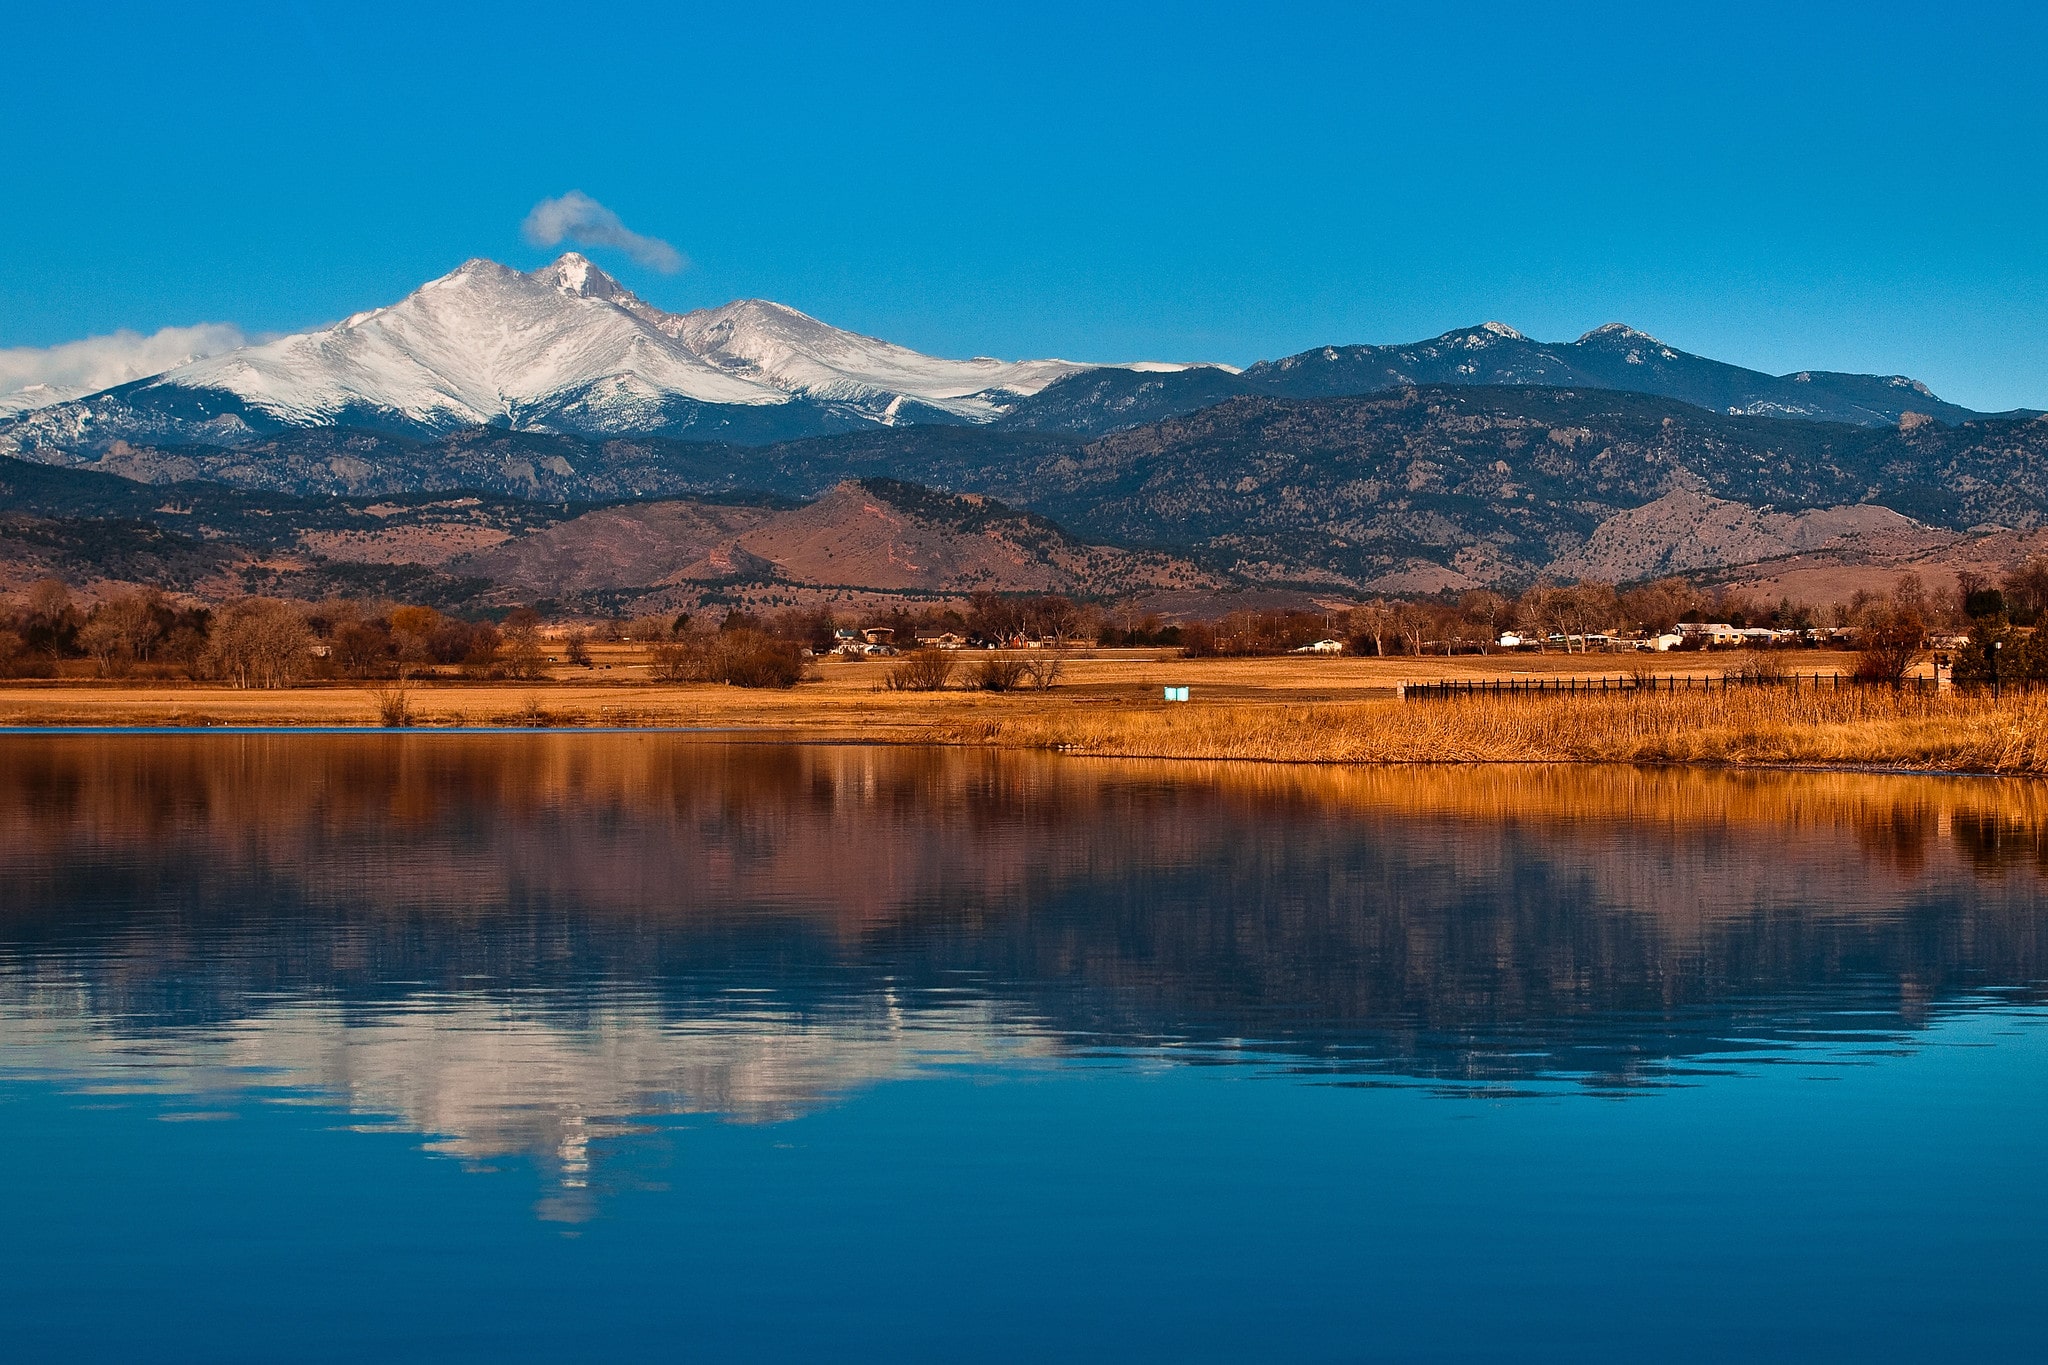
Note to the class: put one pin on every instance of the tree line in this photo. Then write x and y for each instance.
(255, 641)
(267, 642)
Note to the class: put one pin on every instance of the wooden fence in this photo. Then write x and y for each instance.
(1449, 689)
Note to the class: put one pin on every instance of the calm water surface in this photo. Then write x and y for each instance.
(557, 1046)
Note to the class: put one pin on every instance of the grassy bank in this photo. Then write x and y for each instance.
(1861, 727)
(1269, 710)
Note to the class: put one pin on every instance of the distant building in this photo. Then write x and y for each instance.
(1713, 634)
(1320, 647)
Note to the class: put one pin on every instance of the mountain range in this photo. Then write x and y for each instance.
(565, 348)
(1414, 490)
(568, 349)
(766, 452)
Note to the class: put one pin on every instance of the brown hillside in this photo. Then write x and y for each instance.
(1686, 530)
(865, 534)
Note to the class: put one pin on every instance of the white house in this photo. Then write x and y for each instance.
(1320, 647)
(1713, 633)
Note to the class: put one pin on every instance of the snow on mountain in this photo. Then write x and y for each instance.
(483, 343)
(565, 347)
(39, 396)
(38, 377)
(778, 345)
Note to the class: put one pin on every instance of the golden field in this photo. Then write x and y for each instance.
(1293, 710)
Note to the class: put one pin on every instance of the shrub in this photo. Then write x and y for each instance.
(740, 658)
(672, 661)
(1044, 667)
(925, 670)
(394, 706)
(1888, 642)
(747, 658)
(998, 673)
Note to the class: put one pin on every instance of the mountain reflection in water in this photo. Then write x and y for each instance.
(521, 945)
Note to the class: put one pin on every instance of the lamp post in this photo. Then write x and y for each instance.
(1991, 657)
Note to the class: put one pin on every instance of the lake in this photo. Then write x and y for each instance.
(558, 1046)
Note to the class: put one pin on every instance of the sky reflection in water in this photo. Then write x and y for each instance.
(880, 1046)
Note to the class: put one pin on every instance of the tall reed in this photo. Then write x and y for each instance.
(1874, 727)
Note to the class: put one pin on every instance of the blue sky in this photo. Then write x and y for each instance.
(1857, 187)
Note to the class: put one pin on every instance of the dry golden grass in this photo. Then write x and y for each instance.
(1293, 710)
(1859, 727)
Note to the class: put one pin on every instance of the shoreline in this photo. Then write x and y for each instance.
(797, 736)
(1336, 712)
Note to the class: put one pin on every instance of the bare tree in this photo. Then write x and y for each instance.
(1043, 668)
(1657, 607)
(1374, 621)
(1587, 608)
(1484, 612)
(121, 631)
(2026, 588)
(260, 642)
(49, 601)
(996, 619)
(1413, 622)
(1052, 617)
(1891, 631)
(523, 657)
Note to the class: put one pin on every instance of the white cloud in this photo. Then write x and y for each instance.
(578, 218)
(32, 377)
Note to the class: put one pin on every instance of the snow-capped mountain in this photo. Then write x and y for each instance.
(482, 344)
(780, 346)
(35, 396)
(563, 348)
(567, 349)
(37, 377)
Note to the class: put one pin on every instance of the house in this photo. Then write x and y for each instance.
(943, 640)
(1320, 647)
(1712, 634)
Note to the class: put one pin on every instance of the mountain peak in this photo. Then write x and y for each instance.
(574, 273)
(1619, 331)
(1485, 334)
